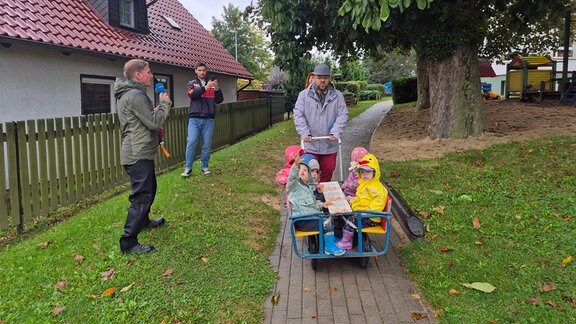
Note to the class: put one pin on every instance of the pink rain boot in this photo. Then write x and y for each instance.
(346, 241)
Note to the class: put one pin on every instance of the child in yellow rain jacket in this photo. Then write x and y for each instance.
(370, 195)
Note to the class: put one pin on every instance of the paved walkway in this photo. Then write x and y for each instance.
(339, 291)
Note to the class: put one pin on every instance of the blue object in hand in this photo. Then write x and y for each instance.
(159, 88)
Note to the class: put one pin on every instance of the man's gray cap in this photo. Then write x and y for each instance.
(322, 69)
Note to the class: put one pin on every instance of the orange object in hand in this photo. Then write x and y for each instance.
(164, 150)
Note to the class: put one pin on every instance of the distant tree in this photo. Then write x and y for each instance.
(353, 70)
(252, 45)
(276, 78)
(388, 66)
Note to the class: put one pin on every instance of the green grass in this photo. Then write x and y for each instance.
(523, 196)
(361, 106)
(211, 263)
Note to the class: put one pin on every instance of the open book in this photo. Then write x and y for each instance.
(335, 198)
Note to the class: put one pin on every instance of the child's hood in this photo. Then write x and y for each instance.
(371, 161)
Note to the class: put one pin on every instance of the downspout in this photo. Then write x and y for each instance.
(244, 87)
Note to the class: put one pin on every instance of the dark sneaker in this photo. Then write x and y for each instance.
(205, 171)
(186, 173)
(156, 222)
(139, 249)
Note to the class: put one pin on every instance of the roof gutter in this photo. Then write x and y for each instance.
(244, 87)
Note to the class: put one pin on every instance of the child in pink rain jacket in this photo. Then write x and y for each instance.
(351, 183)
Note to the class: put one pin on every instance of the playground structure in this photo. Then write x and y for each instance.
(531, 76)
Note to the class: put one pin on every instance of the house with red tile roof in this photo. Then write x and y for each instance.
(61, 57)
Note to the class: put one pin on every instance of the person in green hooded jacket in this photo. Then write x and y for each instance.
(139, 123)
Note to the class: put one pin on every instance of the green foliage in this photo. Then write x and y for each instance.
(252, 45)
(353, 70)
(376, 86)
(353, 87)
(404, 90)
(369, 95)
(522, 199)
(296, 81)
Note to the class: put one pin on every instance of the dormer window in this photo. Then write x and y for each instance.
(127, 13)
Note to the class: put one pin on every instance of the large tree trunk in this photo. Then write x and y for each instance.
(456, 109)
(422, 69)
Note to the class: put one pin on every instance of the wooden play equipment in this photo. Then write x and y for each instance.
(531, 76)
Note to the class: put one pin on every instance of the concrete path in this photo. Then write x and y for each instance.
(339, 291)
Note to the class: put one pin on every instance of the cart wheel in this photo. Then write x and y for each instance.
(366, 247)
(313, 249)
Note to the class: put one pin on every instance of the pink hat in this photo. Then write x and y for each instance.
(358, 153)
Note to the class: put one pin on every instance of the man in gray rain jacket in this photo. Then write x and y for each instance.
(321, 111)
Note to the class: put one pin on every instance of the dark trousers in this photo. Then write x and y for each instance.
(143, 183)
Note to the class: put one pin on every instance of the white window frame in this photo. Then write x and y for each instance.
(126, 7)
(107, 81)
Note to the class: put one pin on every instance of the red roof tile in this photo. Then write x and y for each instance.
(75, 24)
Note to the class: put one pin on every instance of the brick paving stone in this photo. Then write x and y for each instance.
(339, 291)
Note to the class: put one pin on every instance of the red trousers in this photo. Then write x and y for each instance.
(327, 165)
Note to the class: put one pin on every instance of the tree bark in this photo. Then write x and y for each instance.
(422, 74)
(456, 107)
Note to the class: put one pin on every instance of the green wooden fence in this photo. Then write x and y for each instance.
(47, 164)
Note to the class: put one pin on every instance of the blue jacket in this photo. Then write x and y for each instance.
(202, 101)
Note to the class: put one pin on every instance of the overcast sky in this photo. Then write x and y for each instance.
(204, 10)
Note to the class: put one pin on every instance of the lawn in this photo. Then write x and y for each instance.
(211, 263)
(504, 215)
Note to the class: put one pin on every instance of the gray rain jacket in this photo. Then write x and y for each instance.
(312, 118)
(139, 122)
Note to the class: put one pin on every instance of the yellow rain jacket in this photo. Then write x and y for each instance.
(371, 194)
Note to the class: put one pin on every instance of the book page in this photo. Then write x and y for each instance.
(335, 199)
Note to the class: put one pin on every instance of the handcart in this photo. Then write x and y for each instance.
(312, 244)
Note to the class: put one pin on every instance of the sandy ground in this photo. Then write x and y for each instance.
(403, 133)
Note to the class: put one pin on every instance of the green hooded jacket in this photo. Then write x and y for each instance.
(139, 121)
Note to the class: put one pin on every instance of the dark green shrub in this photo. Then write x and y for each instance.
(404, 90)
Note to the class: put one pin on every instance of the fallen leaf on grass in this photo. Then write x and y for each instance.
(453, 292)
(60, 285)
(437, 312)
(417, 316)
(476, 223)
(92, 296)
(533, 300)
(482, 286)
(130, 263)
(452, 263)
(204, 259)
(116, 224)
(424, 214)
(570, 300)
(79, 258)
(465, 198)
(439, 210)
(553, 305)
(108, 292)
(444, 249)
(107, 274)
(275, 298)
(548, 286)
(567, 260)
(167, 273)
(44, 245)
(543, 265)
(125, 289)
(479, 243)
(58, 309)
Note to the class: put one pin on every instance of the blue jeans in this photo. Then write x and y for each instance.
(199, 127)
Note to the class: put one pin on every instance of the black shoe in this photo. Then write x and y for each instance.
(139, 249)
(156, 222)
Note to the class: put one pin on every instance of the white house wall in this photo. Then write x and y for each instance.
(40, 82)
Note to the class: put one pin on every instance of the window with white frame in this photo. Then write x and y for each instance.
(97, 95)
(127, 13)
